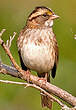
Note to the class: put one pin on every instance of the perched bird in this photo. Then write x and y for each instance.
(37, 46)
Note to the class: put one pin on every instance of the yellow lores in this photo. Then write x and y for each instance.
(49, 13)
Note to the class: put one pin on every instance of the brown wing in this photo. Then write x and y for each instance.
(20, 39)
(21, 62)
(56, 58)
(19, 45)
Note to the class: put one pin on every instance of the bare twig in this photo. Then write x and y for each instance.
(9, 54)
(63, 106)
(3, 30)
(67, 108)
(18, 72)
(75, 36)
(9, 42)
(34, 86)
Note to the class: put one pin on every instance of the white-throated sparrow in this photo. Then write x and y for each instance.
(37, 45)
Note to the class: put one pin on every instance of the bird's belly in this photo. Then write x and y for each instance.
(38, 58)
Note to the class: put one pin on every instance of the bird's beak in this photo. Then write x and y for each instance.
(54, 17)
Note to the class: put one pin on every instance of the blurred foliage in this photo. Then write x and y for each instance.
(13, 15)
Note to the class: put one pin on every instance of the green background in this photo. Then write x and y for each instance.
(13, 15)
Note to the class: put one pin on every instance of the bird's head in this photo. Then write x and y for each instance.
(41, 17)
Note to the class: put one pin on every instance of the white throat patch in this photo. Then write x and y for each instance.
(49, 23)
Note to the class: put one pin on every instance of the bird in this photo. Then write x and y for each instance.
(38, 47)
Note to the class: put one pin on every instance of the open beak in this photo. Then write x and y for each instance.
(54, 16)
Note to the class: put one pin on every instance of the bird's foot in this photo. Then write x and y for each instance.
(27, 75)
(42, 81)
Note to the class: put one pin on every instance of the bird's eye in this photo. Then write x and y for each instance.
(45, 15)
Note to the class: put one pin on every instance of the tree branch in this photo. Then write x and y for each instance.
(34, 86)
(38, 82)
(64, 107)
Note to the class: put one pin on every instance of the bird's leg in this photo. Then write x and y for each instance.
(28, 75)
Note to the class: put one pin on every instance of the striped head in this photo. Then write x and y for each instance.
(41, 16)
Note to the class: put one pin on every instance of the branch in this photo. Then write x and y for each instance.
(18, 72)
(34, 86)
(9, 42)
(64, 107)
(75, 36)
(3, 30)
(5, 69)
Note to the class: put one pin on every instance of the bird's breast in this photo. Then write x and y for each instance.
(37, 51)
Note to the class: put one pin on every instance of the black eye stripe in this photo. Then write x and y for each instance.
(45, 15)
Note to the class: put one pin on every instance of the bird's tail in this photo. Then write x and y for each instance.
(45, 100)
